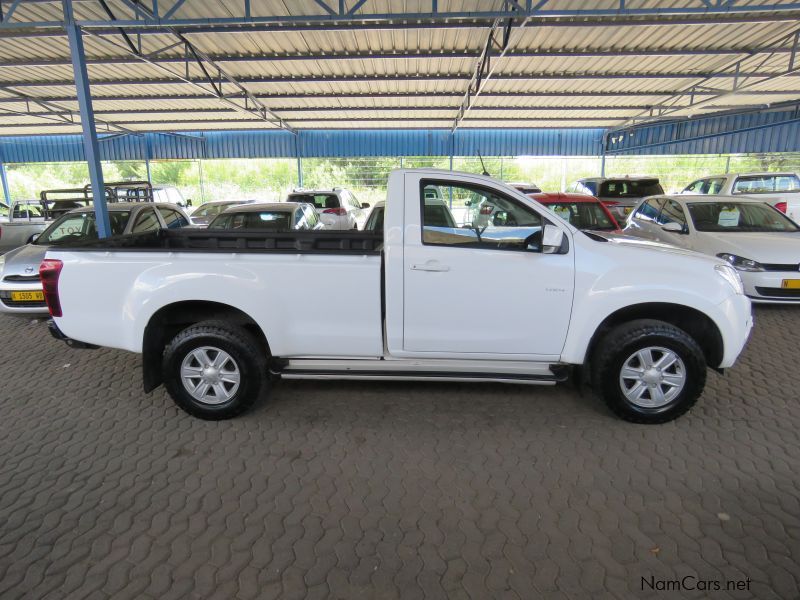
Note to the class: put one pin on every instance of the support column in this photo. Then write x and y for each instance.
(4, 182)
(299, 160)
(147, 154)
(91, 146)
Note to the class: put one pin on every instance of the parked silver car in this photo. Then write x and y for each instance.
(205, 213)
(275, 216)
(620, 195)
(20, 289)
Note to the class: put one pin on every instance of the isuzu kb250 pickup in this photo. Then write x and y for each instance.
(500, 289)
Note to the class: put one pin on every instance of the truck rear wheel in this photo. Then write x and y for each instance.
(214, 370)
(649, 371)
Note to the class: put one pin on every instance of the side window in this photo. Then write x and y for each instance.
(589, 187)
(486, 219)
(173, 219)
(146, 221)
(375, 221)
(715, 185)
(648, 211)
(299, 221)
(695, 187)
(672, 212)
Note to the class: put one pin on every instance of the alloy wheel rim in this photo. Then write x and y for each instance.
(210, 375)
(652, 377)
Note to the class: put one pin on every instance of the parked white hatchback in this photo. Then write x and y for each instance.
(781, 190)
(754, 237)
(338, 208)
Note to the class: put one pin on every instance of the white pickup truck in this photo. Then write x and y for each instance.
(522, 298)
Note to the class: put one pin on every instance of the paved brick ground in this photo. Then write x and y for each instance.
(335, 490)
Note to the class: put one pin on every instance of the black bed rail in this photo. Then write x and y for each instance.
(252, 241)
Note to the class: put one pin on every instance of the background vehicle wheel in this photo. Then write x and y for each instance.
(214, 370)
(649, 371)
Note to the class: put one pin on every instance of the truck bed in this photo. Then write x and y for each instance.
(203, 240)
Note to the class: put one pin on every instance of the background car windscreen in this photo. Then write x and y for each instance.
(267, 219)
(765, 184)
(210, 210)
(320, 201)
(81, 226)
(734, 216)
(583, 215)
(630, 188)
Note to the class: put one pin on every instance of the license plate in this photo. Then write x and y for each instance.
(791, 284)
(27, 296)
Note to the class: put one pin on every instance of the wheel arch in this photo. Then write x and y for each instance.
(169, 320)
(696, 323)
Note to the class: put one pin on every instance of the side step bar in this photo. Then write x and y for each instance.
(422, 370)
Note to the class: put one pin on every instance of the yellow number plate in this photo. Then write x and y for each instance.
(791, 284)
(27, 296)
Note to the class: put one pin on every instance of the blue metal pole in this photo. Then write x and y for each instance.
(299, 160)
(91, 147)
(4, 181)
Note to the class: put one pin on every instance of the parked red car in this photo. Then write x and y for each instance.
(582, 211)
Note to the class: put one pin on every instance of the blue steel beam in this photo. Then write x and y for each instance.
(332, 16)
(91, 147)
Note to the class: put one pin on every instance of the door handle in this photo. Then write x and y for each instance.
(431, 265)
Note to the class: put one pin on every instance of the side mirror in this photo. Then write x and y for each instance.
(553, 240)
(365, 205)
(34, 237)
(673, 227)
(188, 202)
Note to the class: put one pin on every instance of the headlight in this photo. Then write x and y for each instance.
(740, 263)
(730, 275)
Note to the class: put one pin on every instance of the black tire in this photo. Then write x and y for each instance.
(621, 343)
(247, 353)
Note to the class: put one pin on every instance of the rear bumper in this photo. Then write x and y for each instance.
(59, 335)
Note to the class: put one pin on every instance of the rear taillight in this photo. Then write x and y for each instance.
(335, 211)
(610, 202)
(49, 272)
(487, 210)
(781, 206)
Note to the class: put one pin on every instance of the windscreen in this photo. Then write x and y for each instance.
(320, 201)
(583, 215)
(766, 184)
(630, 188)
(267, 219)
(80, 226)
(735, 216)
(210, 210)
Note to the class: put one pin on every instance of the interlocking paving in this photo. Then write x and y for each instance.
(390, 490)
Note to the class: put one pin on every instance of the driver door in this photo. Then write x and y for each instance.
(483, 287)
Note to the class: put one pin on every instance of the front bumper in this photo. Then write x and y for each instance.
(15, 307)
(738, 315)
(766, 287)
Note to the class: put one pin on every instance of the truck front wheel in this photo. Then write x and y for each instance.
(649, 371)
(214, 370)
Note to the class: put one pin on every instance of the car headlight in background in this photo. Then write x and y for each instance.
(741, 263)
(730, 275)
